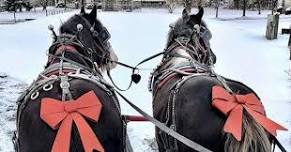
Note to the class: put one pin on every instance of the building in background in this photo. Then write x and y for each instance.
(284, 3)
(152, 3)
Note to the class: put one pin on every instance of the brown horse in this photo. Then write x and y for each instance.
(72, 89)
(182, 87)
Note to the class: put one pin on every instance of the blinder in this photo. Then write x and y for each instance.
(103, 35)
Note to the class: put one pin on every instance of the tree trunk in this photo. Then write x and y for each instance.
(82, 3)
(216, 6)
(199, 2)
(283, 3)
(274, 3)
(244, 7)
(289, 42)
(259, 6)
(171, 5)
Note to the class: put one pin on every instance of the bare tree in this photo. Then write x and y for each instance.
(236, 4)
(188, 5)
(259, 3)
(171, 4)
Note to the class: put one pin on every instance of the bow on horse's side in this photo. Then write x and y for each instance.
(70, 107)
(189, 97)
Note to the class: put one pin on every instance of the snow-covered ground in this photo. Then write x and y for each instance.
(242, 52)
(10, 89)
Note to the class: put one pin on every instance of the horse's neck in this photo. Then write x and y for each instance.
(173, 61)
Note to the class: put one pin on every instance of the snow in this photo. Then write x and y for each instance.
(242, 52)
(10, 89)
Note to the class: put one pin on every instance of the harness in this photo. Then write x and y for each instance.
(198, 64)
(184, 71)
(66, 70)
(48, 77)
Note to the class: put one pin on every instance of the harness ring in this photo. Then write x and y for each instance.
(34, 95)
(47, 87)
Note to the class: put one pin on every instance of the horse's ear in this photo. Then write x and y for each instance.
(93, 13)
(199, 15)
(82, 10)
(185, 15)
(197, 18)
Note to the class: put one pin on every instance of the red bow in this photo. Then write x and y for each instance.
(61, 115)
(233, 105)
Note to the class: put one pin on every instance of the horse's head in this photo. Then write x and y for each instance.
(87, 31)
(192, 32)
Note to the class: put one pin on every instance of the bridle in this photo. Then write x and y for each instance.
(100, 37)
(193, 42)
(73, 40)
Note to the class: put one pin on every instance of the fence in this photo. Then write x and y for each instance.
(58, 11)
(16, 17)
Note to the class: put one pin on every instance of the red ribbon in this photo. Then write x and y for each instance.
(233, 105)
(61, 115)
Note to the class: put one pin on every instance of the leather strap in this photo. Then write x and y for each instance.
(166, 129)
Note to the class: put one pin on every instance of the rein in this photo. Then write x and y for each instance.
(166, 129)
(135, 77)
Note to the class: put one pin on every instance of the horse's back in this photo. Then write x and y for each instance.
(35, 135)
(194, 115)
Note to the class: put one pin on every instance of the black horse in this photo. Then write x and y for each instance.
(73, 74)
(182, 94)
